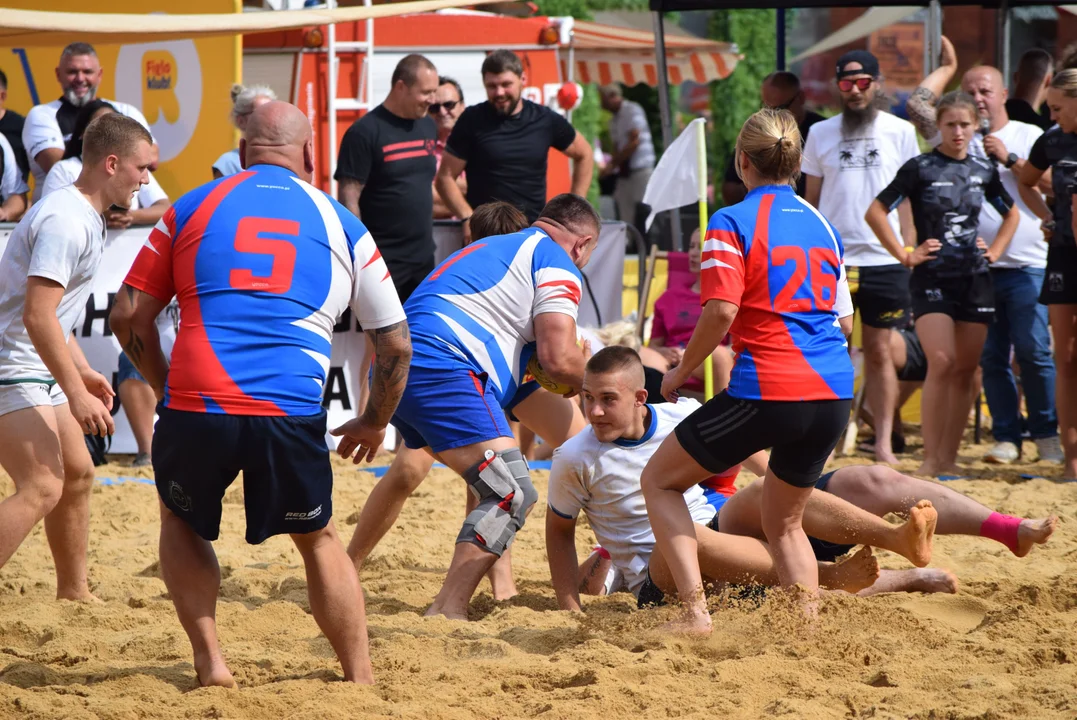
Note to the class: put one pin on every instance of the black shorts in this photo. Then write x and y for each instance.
(970, 298)
(287, 477)
(915, 369)
(882, 295)
(728, 430)
(1060, 279)
(407, 279)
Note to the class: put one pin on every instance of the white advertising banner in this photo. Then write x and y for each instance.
(103, 350)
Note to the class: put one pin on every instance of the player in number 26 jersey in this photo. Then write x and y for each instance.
(780, 261)
(773, 277)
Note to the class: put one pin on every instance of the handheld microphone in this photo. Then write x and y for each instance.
(984, 129)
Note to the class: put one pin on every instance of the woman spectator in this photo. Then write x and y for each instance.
(953, 298)
(1057, 150)
(244, 101)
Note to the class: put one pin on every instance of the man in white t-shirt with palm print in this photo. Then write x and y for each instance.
(848, 160)
(1020, 320)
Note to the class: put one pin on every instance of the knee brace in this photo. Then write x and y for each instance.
(502, 485)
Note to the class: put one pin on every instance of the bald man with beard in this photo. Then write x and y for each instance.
(1020, 321)
(263, 265)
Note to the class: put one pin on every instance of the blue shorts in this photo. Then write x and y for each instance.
(522, 393)
(287, 477)
(446, 409)
(127, 371)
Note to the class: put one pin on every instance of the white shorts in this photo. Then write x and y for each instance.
(29, 394)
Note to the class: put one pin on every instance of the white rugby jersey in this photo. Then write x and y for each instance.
(476, 309)
(602, 480)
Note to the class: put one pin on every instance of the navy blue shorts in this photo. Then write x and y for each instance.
(446, 409)
(287, 476)
(522, 393)
(827, 551)
(127, 371)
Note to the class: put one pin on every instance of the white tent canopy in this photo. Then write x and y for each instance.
(875, 18)
(28, 28)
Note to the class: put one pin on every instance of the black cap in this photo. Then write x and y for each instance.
(868, 62)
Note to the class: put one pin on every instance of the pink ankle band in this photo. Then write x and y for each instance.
(1002, 528)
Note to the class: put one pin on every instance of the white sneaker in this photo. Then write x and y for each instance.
(1050, 450)
(1003, 453)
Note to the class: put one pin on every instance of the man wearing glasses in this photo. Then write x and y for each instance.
(780, 91)
(848, 160)
(448, 106)
(386, 168)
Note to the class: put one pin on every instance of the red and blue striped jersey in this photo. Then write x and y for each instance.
(781, 262)
(263, 266)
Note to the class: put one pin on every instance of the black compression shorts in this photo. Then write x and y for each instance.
(727, 430)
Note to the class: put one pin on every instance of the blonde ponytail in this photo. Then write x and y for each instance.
(771, 141)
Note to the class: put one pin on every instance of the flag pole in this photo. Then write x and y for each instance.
(701, 149)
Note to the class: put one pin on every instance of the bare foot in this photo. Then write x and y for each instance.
(928, 580)
(885, 456)
(916, 537)
(212, 672)
(927, 469)
(434, 611)
(932, 580)
(1034, 532)
(83, 595)
(693, 621)
(851, 575)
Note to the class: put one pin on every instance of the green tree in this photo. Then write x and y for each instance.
(737, 97)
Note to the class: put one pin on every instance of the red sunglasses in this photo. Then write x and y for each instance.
(862, 84)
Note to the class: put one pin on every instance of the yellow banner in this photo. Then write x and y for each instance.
(181, 86)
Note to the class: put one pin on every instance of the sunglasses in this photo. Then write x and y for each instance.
(448, 105)
(783, 106)
(861, 84)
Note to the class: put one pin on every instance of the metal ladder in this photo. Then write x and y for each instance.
(366, 85)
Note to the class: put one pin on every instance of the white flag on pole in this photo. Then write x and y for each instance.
(675, 181)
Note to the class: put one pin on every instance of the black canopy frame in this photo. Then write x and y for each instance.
(934, 35)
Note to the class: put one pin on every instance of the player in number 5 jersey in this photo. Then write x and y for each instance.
(773, 278)
(263, 266)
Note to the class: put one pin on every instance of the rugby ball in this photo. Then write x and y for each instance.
(536, 373)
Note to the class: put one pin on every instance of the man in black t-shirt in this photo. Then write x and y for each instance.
(1030, 83)
(780, 91)
(385, 170)
(504, 143)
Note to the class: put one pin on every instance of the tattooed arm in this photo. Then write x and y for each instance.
(392, 359)
(921, 104)
(134, 321)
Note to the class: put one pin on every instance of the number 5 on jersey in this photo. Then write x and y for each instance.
(249, 239)
(818, 266)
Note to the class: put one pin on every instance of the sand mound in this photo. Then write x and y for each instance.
(1003, 647)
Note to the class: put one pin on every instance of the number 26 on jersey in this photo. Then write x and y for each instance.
(813, 278)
